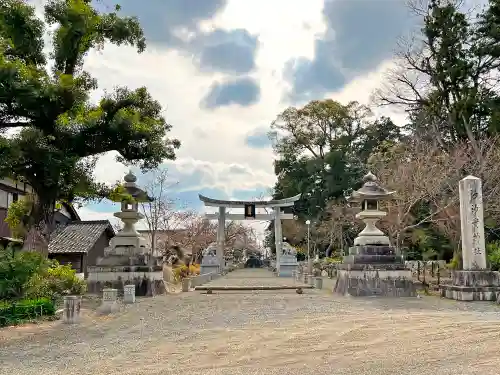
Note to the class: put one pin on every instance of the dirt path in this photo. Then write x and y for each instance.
(278, 332)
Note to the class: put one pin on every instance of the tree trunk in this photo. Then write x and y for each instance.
(38, 237)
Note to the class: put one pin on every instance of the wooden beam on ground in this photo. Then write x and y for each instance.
(263, 217)
(247, 287)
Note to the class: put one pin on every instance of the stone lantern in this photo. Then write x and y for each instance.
(127, 261)
(129, 213)
(372, 267)
(369, 196)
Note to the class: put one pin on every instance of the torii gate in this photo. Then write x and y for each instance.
(249, 214)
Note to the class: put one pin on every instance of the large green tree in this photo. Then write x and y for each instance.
(51, 132)
(321, 152)
(447, 74)
(322, 148)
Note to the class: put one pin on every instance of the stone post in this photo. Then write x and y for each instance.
(186, 284)
(129, 293)
(472, 225)
(221, 236)
(311, 280)
(475, 282)
(72, 306)
(318, 283)
(278, 238)
(109, 304)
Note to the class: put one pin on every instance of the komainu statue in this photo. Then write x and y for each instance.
(211, 250)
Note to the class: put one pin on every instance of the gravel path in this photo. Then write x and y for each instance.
(264, 332)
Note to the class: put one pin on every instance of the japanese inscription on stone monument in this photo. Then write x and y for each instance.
(471, 217)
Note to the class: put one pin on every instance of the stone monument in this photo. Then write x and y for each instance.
(72, 308)
(373, 267)
(475, 282)
(287, 261)
(210, 262)
(109, 303)
(126, 260)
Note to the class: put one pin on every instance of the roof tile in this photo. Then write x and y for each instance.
(77, 237)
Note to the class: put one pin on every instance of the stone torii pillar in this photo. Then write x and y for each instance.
(250, 214)
(221, 235)
(278, 235)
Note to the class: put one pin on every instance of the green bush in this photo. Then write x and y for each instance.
(493, 251)
(454, 263)
(17, 268)
(12, 313)
(54, 282)
(333, 260)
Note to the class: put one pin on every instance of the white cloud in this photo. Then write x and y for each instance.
(362, 88)
(213, 141)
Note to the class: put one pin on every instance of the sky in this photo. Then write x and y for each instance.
(224, 69)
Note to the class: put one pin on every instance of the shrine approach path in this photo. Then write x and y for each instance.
(263, 332)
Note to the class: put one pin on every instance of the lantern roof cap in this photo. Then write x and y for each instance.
(371, 189)
(134, 190)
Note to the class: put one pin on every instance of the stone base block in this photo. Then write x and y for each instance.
(286, 270)
(474, 285)
(146, 285)
(108, 308)
(467, 293)
(372, 250)
(72, 307)
(366, 283)
(475, 278)
(373, 259)
(209, 268)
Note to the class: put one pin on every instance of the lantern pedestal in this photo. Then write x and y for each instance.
(371, 234)
(374, 270)
(372, 267)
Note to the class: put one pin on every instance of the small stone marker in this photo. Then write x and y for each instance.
(472, 225)
(71, 311)
(109, 304)
(186, 284)
(318, 283)
(129, 293)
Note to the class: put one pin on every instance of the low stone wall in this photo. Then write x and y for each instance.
(207, 277)
(144, 286)
(414, 265)
(148, 281)
(202, 279)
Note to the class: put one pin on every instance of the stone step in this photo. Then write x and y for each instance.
(377, 259)
(372, 250)
(371, 266)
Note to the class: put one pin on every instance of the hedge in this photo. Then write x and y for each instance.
(12, 313)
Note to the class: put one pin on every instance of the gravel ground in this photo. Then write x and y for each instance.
(264, 332)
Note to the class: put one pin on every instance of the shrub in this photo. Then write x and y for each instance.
(454, 264)
(181, 272)
(184, 271)
(17, 268)
(25, 310)
(54, 282)
(335, 260)
(493, 251)
(194, 269)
